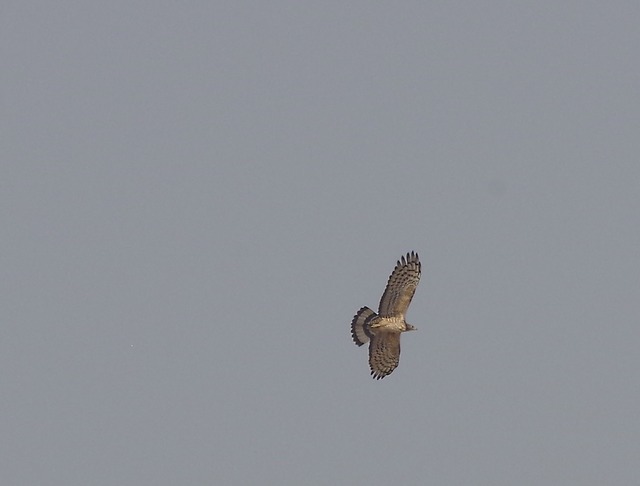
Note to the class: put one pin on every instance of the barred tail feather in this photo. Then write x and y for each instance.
(360, 325)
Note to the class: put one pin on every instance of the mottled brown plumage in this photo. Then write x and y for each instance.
(383, 329)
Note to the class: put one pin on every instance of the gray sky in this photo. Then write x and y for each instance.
(197, 197)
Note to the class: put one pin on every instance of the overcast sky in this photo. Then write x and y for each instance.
(196, 197)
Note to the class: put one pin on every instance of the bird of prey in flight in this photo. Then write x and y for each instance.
(383, 329)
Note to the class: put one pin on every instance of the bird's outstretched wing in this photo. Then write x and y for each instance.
(384, 353)
(401, 287)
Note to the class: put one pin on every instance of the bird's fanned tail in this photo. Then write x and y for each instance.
(361, 325)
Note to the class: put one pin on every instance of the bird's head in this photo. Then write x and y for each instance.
(410, 327)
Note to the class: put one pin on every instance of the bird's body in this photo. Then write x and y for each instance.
(384, 328)
(390, 324)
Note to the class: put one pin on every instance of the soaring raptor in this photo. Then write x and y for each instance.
(383, 329)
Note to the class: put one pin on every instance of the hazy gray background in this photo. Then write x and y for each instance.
(197, 197)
